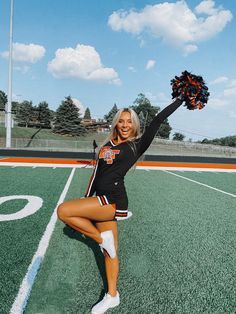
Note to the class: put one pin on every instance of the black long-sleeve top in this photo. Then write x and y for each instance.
(115, 160)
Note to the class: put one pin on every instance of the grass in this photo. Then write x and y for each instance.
(19, 238)
(27, 133)
(176, 253)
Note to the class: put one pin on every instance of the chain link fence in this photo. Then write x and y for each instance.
(158, 147)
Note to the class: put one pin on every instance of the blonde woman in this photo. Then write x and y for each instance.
(96, 216)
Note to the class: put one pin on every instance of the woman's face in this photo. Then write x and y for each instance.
(124, 127)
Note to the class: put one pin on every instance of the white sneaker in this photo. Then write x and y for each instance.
(107, 303)
(125, 218)
(108, 243)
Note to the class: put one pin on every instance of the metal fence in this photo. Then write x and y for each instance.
(158, 147)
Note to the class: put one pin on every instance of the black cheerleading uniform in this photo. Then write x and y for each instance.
(114, 161)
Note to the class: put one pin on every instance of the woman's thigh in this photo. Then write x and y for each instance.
(88, 207)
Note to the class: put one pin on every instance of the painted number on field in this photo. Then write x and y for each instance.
(33, 205)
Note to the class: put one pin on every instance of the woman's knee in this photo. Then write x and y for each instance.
(61, 212)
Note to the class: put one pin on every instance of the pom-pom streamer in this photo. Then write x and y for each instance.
(191, 89)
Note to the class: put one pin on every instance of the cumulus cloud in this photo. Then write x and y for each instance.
(132, 69)
(25, 53)
(219, 80)
(223, 98)
(150, 64)
(206, 7)
(82, 62)
(80, 106)
(174, 23)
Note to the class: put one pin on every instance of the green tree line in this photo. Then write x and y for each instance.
(66, 120)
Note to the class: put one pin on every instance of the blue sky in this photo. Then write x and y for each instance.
(103, 52)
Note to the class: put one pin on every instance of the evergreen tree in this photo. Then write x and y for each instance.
(3, 100)
(67, 119)
(109, 117)
(24, 113)
(44, 115)
(87, 114)
(178, 136)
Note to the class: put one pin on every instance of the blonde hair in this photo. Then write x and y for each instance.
(135, 122)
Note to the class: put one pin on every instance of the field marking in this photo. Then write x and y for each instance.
(33, 205)
(203, 184)
(172, 168)
(183, 169)
(28, 281)
(42, 165)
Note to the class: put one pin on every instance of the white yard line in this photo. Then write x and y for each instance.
(28, 281)
(208, 186)
(185, 169)
(43, 165)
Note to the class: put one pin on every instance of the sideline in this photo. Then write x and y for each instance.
(28, 281)
(197, 182)
(151, 165)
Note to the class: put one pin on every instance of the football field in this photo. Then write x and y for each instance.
(177, 252)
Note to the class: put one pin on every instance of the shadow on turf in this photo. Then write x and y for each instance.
(71, 233)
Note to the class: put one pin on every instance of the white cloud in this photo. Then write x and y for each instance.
(150, 64)
(80, 106)
(23, 69)
(174, 23)
(206, 7)
(233, 114)
(219, 80)
(26, 53)
(132, 69)
(187, 49)
(230, 91)
(217, 102)
(82, 62)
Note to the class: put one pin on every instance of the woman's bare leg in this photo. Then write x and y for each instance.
(111, 264)
(80, 213)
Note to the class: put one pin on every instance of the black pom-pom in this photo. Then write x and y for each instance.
(191, 89)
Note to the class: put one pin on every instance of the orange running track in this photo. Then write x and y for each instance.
(140, 163)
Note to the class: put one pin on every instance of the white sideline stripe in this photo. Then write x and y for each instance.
(50, 165)
(208, 186)
(183, 169)
(28, 281)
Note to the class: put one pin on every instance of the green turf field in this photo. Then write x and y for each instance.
(177, 252)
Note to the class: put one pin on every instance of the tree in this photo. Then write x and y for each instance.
(44, 115)
(67, 119)
(178, 136)
(87, 114)
(142, 121)
(109, 117)
(142, 103)
(164, 130)
(3, 100)
(24, 113)
(224, 141)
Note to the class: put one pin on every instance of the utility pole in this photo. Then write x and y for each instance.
(9, 96)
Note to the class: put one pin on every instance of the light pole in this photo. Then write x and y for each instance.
(9, 96)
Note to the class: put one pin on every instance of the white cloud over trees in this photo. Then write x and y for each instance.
(82, 62)
(174, 23)
(30, 53)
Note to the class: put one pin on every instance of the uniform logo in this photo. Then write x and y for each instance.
(108, 154)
